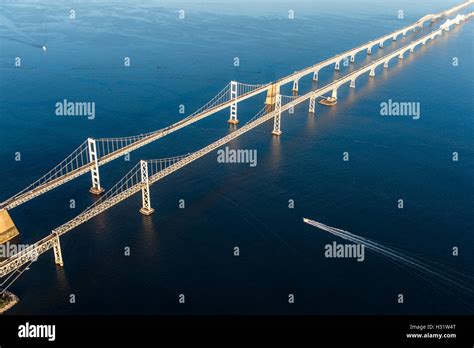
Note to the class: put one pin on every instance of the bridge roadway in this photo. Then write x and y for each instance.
(370, 67)
(294, 77)
(368, 46)
(52, 240)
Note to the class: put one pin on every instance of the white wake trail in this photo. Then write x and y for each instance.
(393, 255)
(7, 23)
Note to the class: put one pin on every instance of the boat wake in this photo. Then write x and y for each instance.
(23, 37)
(442, 277)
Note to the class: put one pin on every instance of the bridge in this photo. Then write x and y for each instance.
(93, 153)
(148, 172)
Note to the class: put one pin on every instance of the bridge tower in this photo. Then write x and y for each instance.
(233, 107)
(58, 256)
(96, 189)
(312, 102)
(146, 208)
(295, 86)
(277, 118)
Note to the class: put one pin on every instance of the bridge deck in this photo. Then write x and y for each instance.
(41, 189)
(48, 242)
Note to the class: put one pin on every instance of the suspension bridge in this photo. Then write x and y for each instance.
(95, 152)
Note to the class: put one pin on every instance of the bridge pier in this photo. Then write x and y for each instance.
(353, 84)
(96, 189)
(146, 208)
(315, 75)
(372, 72)
(295, 86)
(352, 59)
(334, 93)
(400, 56)
(369, 51)
(381, 44)
(394, 38)
(58, 256)
(312, 103)
(385, 64)
(233, 107)
(336, 67)
(412, 49)
(277, 118)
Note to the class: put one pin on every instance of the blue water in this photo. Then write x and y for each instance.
(190, 250)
